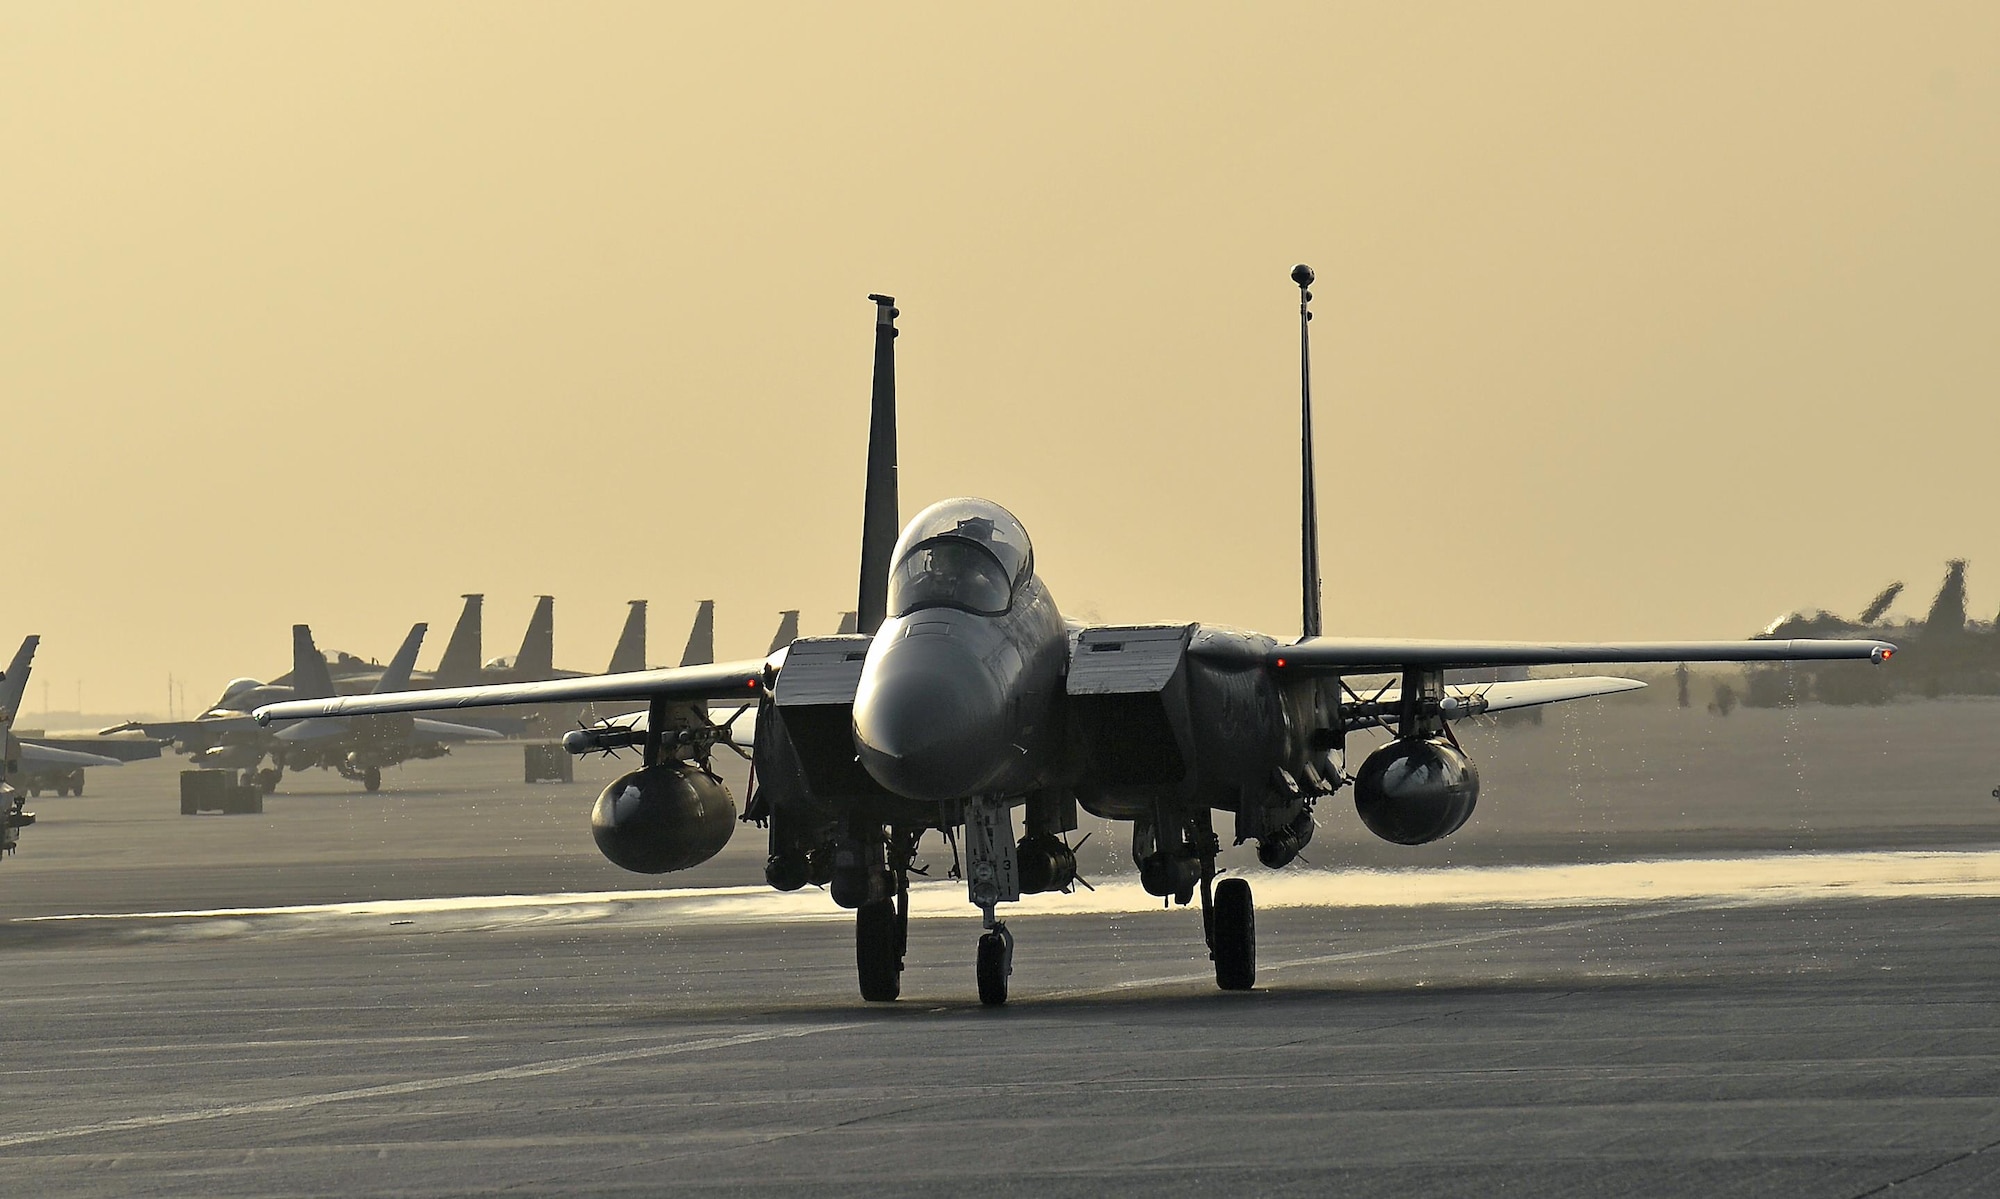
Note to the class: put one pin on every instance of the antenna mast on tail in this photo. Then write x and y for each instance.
(1308, 499)
(879, 507)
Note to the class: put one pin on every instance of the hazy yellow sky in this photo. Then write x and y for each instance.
(1629, 324)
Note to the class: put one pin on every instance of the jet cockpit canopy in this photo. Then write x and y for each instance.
(236, 690)
(963, 553)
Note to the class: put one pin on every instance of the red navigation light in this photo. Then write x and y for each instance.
(1281, 663)
(750, 683)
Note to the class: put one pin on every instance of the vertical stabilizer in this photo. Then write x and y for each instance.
(310, 677)
(1308, 493)
(14, 687)
(630, 652)
(846, 622)
(788, 631)
(397, 676)
(1947, 614)
(879, 508)
(537, 659)
(700, 649)
(460, 665)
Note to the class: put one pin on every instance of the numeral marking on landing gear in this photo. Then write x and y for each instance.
(992, 875)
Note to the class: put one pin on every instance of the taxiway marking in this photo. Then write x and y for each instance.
(292, 1103)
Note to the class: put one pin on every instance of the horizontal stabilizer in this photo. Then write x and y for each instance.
(48, 757)
(1472, 699)
(444, 730)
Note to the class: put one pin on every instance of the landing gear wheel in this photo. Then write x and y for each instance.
(1234, 932)
(993, 968)
(371, 778)
(876, 952)
(267, 780)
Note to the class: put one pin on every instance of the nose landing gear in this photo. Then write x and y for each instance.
(995, 961)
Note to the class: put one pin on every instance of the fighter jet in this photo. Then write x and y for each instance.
(965, 698)
(226, 737)
(20, 760)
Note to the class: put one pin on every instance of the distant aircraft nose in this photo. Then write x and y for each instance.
(929, 717)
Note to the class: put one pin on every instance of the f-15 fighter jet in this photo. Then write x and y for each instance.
(966, 701)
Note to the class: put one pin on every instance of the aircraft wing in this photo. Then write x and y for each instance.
(48, 757)
(184, 730)
(723, 680)
(1357, 655)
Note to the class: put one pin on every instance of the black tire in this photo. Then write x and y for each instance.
(992, 970)
(371, 778)
(267, 780)
(875, 956)
(1234, 921)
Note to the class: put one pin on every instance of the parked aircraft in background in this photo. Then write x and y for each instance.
(1945, 653)
(21, 760)
(225, 737)
(965, 695)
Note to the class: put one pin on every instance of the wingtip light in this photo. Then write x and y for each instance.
(1882, 654)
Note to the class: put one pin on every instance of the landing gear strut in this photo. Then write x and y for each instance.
(992, 877)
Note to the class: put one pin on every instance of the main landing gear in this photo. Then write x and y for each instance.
(881, 922)
(881, 938)
(1183, 862)
(1231, 922)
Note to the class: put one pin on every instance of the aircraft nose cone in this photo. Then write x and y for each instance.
(928, 718)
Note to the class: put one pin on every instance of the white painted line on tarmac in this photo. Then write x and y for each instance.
(292, 1103)
(1765, 878)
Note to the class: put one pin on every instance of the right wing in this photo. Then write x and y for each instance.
(720, 681)
(1356, 655)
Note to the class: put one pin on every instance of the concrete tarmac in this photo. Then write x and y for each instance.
(1766, 1013)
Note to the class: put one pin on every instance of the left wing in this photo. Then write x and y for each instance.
(725, 680)
(1335, 655)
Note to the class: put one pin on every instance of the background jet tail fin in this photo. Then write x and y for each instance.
(310, 677)
(846, 623)
(1309, 578)
(630, 652)
(788, 631)
(537, 658)
(460, 664)
(880, 508)
(700, 649)
(397, 676)
(14, 687)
